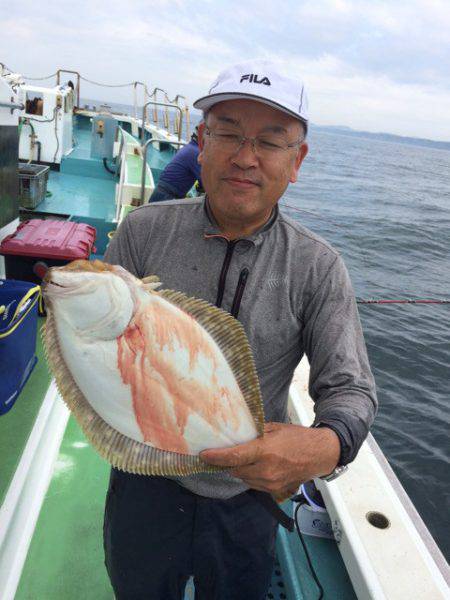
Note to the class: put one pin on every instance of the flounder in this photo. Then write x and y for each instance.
(152, 377)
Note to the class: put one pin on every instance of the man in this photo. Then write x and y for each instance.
(292, 294)
(180, 174)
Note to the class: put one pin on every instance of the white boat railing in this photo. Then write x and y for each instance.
(131, 190)
(392, 556)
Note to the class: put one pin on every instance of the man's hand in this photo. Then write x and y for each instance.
(285, 457)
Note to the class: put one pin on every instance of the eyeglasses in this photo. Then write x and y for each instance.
(262, 145)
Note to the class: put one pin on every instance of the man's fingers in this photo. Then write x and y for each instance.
(243, 454)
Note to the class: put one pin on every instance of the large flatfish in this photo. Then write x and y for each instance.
(152, 377)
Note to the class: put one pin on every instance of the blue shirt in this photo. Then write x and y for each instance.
(183, 170)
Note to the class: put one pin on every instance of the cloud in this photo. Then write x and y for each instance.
(370, 64)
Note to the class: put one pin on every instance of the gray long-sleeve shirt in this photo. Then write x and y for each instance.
(297, 299)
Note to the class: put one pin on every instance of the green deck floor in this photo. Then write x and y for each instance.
(16, 425)
(65, 559)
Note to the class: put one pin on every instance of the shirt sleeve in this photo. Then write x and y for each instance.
(341, 382)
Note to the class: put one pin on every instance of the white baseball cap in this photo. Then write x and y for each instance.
(262, 81)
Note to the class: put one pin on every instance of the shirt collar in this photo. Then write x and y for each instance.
(211, 229)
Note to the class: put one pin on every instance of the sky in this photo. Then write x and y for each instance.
(373, 65)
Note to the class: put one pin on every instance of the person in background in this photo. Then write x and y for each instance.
(292, 294)
(181, 173)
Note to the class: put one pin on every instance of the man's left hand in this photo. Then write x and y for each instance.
(286, 456)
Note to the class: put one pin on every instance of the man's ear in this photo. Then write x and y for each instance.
(302, 152)
(201, 139)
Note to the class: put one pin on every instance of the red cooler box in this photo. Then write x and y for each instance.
(38, 244)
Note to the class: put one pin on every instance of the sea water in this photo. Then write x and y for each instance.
(386, 208)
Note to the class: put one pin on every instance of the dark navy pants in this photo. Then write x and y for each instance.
(157, 534)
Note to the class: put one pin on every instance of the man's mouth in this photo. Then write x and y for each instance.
(241, 183)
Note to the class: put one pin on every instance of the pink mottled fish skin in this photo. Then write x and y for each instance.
(154, 376)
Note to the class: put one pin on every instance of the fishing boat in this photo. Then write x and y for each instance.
(366, 541)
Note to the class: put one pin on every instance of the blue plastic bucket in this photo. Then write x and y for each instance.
(18, 329)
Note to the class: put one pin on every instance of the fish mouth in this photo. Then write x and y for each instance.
(52, 289)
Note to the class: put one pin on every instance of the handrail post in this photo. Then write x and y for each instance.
(144, 115)
(188, 122)
(135, 99)
(155, 110)
(58, 80)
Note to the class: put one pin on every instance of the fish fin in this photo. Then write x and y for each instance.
(231, 338)
(119, 450)
(151, 282)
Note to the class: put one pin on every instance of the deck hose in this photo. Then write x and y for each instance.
(105, 164)
(300, 499)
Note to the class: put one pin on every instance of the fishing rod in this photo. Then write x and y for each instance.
(406, 301)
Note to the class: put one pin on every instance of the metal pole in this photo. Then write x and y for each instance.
(11, 105)
(144, 161)
(144, 116)
(188, 123)
(135, 100)
(58, 79)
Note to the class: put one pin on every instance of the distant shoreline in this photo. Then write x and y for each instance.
(334, 129)
(383, 137)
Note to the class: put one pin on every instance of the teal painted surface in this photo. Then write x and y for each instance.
(327, 562)
(79, 196)
(82, 139)
(87, 167)
(65, 559)
(159, 159)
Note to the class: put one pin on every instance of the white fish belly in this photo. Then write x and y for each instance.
(185, 395)
(94, 369)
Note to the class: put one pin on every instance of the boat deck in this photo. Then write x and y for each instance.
(72, 195)
(83, 190)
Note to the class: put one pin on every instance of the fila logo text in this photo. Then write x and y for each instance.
(253, 78)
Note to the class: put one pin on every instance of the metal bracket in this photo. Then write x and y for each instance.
(12, 105)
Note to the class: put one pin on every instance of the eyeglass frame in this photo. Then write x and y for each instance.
(243, 139)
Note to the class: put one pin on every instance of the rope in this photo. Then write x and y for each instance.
(39, 78)
(110, 85)
(107, 85)
(406, 301)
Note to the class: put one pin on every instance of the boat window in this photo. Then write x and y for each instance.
(34, 104)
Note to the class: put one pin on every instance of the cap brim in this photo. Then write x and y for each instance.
(206, 102)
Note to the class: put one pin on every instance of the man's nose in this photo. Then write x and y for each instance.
(245, 155)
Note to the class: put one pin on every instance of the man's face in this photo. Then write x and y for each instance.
(244, 186)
